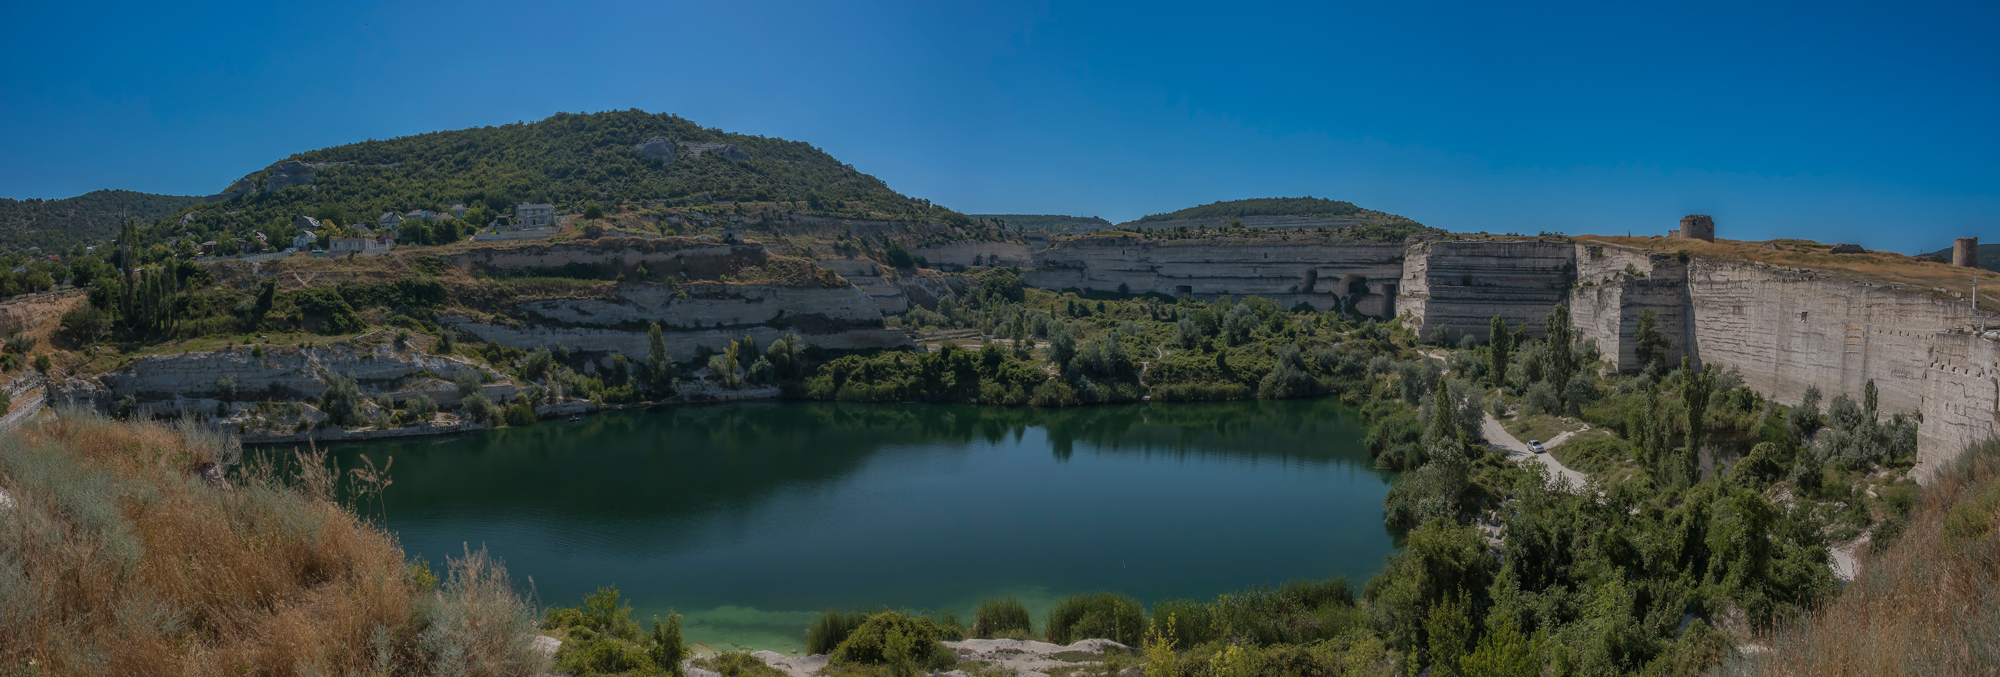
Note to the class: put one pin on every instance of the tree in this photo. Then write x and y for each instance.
(1694, 396)
(1499, 346)
(593, 211)
(1562, 349)
(666, 648)
(1652, 345)
(659, 369)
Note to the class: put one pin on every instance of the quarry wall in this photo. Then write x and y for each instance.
(1457, 287)
(1323, 272)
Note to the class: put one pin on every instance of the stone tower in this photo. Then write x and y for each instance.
(1965, 252)
(1695, 227)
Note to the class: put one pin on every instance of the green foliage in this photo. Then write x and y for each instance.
(832, 628)
(342, 399)
(1097, 615)
(521, 414)
(1003, 617)
(89, 218)
(481, 409)
(666, 648)
(1441, 561)
(905, 644)
(325, 311)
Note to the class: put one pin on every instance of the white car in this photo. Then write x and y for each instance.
(1535, 445)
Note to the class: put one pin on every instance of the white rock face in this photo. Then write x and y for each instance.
(681, 345)
(977, 253)
(1318, 270)
(1458, 286)
(705, 305)
(1614, 286)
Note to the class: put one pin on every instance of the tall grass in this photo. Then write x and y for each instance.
(1002, 617)
(1102, 615)
(1928, 604)
(129, 550)
(831, 629)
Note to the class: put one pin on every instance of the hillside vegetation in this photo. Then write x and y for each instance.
(1264, 206)
(569, 160)
(1925, 603)
(89, 218)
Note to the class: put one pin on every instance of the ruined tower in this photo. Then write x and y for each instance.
(1695, 227)
(1965, 252)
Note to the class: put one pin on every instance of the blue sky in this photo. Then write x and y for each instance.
(1840, 122)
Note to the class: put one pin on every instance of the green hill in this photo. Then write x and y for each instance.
(1989, 256)
(569, 160)
(89, 218)
(1365, 223)
(1052, 223)
(1264, 206)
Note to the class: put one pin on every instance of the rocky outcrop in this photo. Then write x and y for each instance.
(1323, 272)
(1961, 396)
(726, 151)
(657, 148)
(287, 174)
(893, 293)
(200, 382)
(1456, 287)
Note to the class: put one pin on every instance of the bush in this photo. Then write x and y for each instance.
(521, 414)
(480, 409)
(83, 326)
(1054, 393)
(898, 641)
(831, 629)
(1102, 615)
(1001, 618)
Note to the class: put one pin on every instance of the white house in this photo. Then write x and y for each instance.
(305, 241)
(389, 220)
(529, 215)
(363, 241)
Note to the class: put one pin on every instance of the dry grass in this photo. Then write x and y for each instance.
(1929, 605)
(1874, 266)
(117, 556)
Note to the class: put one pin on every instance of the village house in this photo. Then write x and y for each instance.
(363, 241)
(530, 215)
(389, 220)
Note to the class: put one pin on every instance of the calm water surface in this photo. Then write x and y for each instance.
(749, 519)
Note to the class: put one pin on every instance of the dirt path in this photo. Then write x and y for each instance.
(1498, 436)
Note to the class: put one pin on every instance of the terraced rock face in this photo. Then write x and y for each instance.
(693, 317)
(1320, 271)
(1456, 287)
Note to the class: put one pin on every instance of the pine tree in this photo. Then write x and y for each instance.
(1500, 344)
(1696, 388)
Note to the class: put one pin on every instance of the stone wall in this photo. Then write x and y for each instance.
(1321, 271)
(1458, 286)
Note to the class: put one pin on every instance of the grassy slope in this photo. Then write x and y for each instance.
(89, 218)
(1926, 605)
(119, 559)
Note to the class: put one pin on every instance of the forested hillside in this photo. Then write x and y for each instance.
(1264, 206)
(569, 160)
(85, 219)
(1051, 223)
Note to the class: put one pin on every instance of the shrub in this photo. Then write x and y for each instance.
(898, 641)
(1002, 617)
(1054, 393)
(831, 629)
(1102, 615)
(666, 648)
(521, 414)
(480, 409)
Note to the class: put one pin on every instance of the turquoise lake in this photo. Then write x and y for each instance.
(749, 519)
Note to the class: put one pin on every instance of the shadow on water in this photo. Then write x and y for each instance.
(750, 517)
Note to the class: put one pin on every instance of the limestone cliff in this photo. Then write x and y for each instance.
(1456, 287)
(1323, 271)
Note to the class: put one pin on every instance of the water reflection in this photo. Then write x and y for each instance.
(747, 516)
